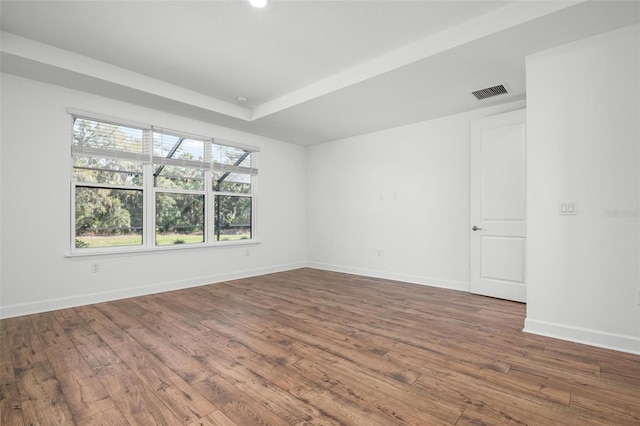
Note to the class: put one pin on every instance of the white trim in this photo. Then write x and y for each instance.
(181, 134)
(108, 119)
(238, 145)
(127, 251)
(233, 194)
(585, 336)
(105, 296)
(413, 279)
(158, 189)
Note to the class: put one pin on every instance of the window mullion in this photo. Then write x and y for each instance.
(73, 215)
(254, 207)
(208, 206)
(208, 192)
(149, 226)
(148, 229)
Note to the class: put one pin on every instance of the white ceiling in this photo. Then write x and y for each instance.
(313, 71)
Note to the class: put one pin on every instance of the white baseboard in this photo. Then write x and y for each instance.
(623, 343)
(617, 342)
(413, 279)
(105, 296)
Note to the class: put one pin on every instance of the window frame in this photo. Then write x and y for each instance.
(150, 191)
(238, 168)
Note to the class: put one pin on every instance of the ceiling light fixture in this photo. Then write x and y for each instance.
(242, 100)
(259, 3)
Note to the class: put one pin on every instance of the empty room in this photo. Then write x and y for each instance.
(299, 212)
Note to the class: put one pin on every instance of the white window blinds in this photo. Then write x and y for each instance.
(179, 149)
(234, 159)
(107, 140)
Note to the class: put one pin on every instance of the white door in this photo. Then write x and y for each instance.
(498, 206)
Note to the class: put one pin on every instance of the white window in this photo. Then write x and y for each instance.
(232, 184)
(180, 164)
(140, 186)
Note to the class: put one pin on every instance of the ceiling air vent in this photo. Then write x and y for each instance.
(489, 92)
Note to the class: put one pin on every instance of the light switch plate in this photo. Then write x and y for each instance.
(568, 208)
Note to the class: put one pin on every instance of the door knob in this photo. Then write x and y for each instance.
(475, 228)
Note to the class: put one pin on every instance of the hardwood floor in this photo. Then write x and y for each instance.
(306, 347)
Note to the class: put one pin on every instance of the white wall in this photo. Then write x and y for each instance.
(333, 206)
(35, 173)
(583, 120)
(395, 204)
(1, 238)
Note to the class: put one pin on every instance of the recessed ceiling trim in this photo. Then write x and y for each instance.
(66, 60)
(482, 26)
(498, 20)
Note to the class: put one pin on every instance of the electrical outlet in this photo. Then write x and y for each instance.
(247, 253)
(95, 268)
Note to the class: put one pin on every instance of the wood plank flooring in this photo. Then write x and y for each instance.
(306, 347)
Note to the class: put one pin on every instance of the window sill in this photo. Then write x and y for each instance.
(120, 251)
